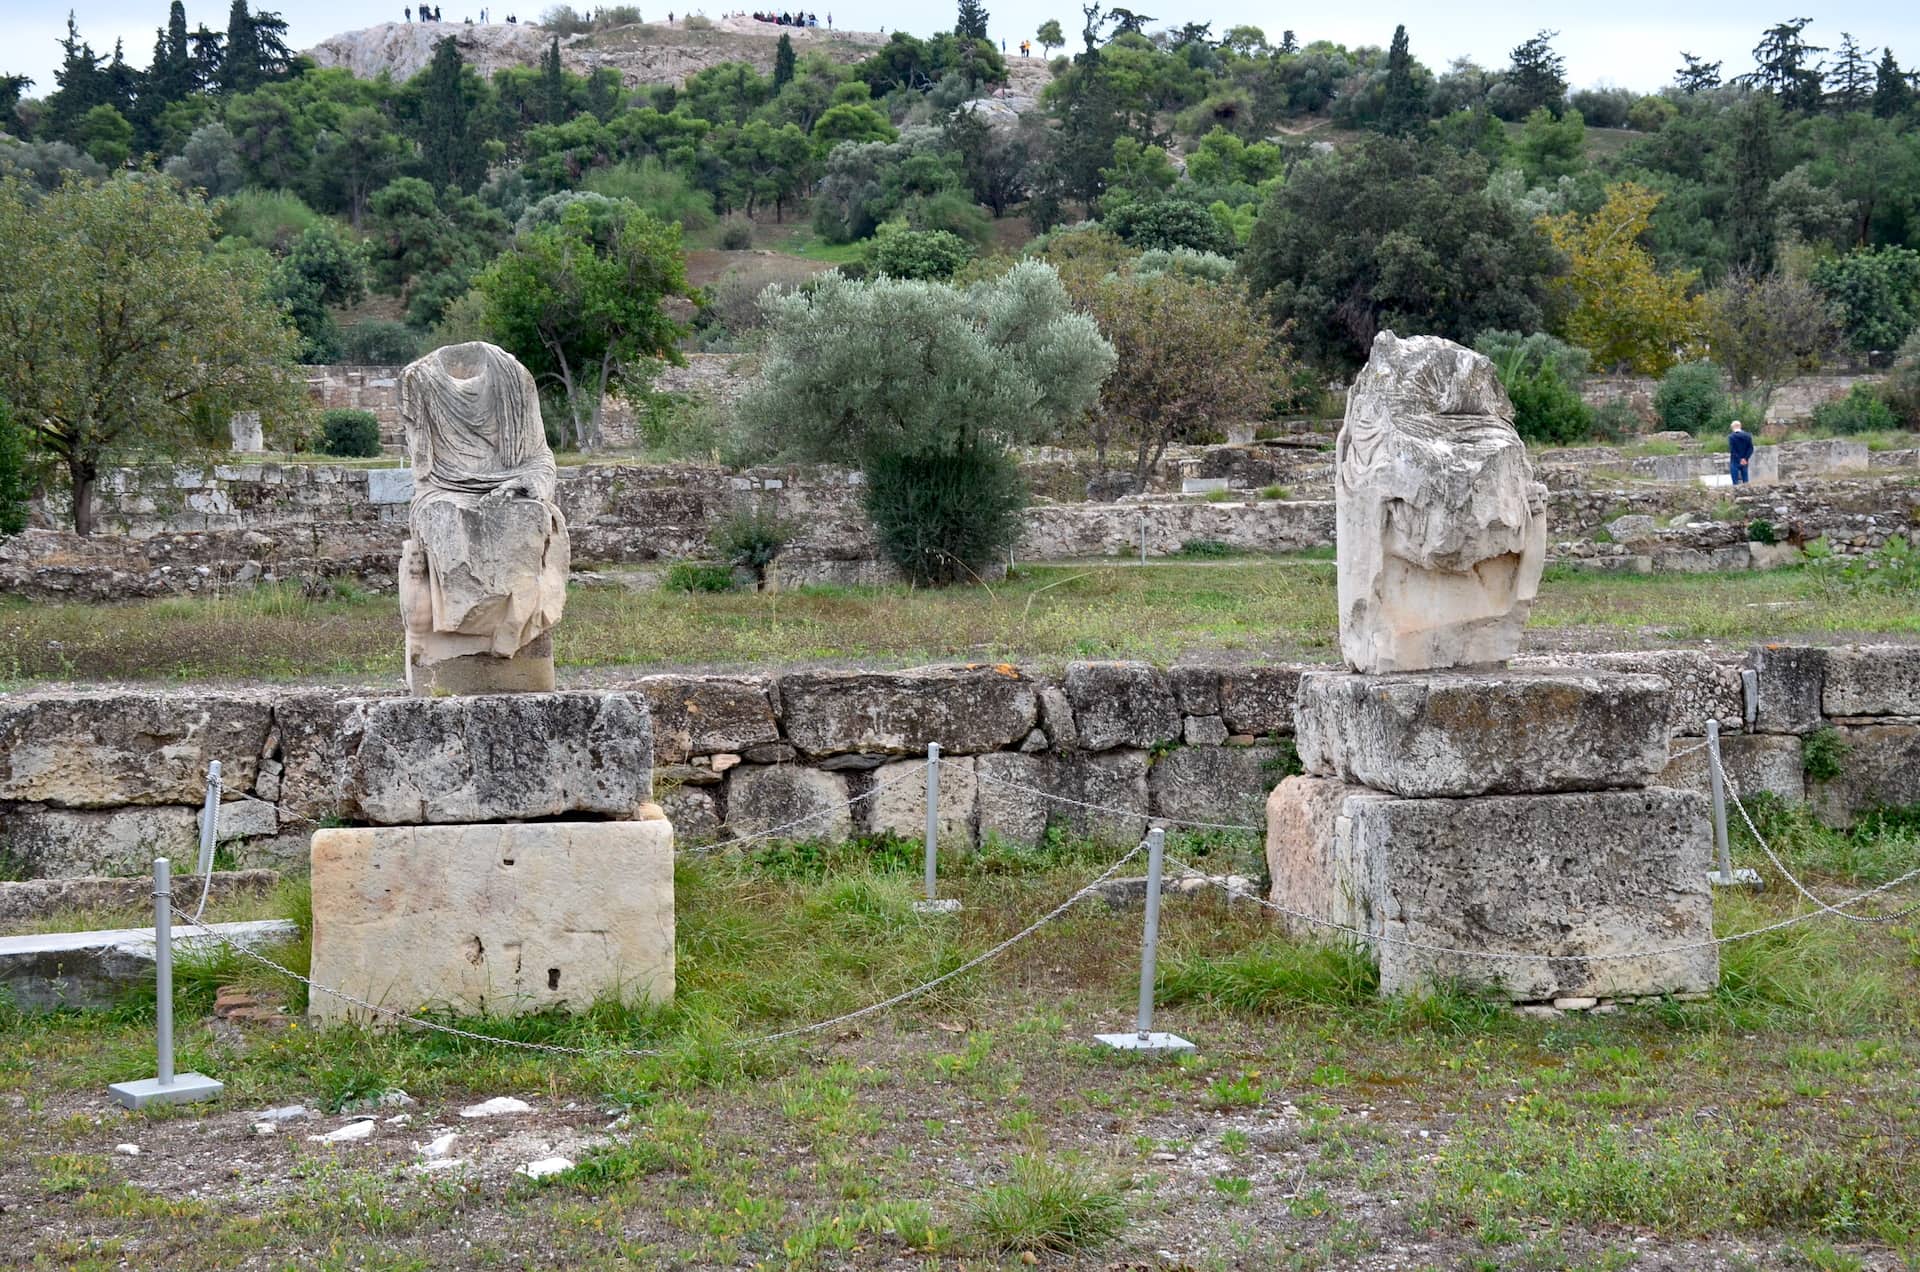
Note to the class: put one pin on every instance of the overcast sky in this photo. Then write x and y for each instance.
(1634, 43)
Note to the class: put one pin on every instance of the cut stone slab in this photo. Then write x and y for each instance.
(1259, 700)
(1456, 734)
(1698, 688)
(967, 710)
(92, 969)
(1113, 780)
(243, 819)
(108, 749)
(1567, 876)
(1792, 682)
(707, 715)
(1121, 704)
(58, 843)
(493, 919)
(1872, 680)
(1219, 784)
(498, 757)
(21, 900)
(902, 809)
(762, 798)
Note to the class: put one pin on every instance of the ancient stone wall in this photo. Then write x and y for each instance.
(1792, 401)
(100, 782)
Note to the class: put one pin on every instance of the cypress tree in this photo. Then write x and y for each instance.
(782, 63)
(449, 150)
(240, 69)
(1892, 95)
(553, 86)
(1750, 211)
(972, 20)
(1405, 107)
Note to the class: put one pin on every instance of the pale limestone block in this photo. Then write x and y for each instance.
(1442, 529)
(902, 809)
(495, 919)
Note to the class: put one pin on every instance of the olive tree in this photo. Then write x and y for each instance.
(925, 386)
(122, 335)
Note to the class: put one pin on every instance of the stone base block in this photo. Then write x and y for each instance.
(1569, 876)
(465, 675)
(497, 918)
(1455, 734)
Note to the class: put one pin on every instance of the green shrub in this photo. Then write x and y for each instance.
(933, 255)
(1861, 411)
(1761, 530)
(1691, 399)
(945, 517)
(1207, 550)
(657, 189)
(379, 342)
(751, 538)
(736, 233)
(1822, 754)
(697, 576)
(1545, 407)
(13, 474)
(1901, 388)
(1614, 422)
(350, 434)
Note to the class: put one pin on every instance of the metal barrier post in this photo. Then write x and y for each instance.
(1143, 538)
(1750, 695)
(932, 904)
(167, 1088)
(1725, 876)
(1143, 1037)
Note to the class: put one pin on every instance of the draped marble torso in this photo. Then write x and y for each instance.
(485, 572)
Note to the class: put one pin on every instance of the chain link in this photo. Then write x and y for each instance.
(824, 813)
(1114, 812)
(551, 1048)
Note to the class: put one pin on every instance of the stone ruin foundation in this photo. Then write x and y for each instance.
(1454, 808)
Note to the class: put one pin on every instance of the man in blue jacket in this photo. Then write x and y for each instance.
(1739, 454)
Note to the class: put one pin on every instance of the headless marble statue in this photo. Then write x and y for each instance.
(1442, 530)
(483, 579)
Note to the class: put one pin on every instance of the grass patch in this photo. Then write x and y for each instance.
(1048, 1206)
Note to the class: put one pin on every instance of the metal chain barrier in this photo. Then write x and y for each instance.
(1037, 793)
(549, 1048)
(1781, 866)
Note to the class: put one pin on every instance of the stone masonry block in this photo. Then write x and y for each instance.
(1757, 762)
(901, 807)
(498, 757)
(1879, 768)
(967, 710)
(109, 749)
(1872, 680)
(706, 715)
(62, 843)
(1121, 704)
(1259, 700)
(1792, 682)
(1457, 734)
(497, 919)
(762, 797)
(1115, 782)
(1698, 688)
(1444, 882)
(1219, 784)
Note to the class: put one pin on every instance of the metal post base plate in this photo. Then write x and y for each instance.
(1742, 878)
(1152, 1042)
(185, 1088)
(946, 905)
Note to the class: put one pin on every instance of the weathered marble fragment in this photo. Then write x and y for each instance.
(1442, 529)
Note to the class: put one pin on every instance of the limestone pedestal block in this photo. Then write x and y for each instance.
(1456, 734)
(493, 918)
(1569, 876)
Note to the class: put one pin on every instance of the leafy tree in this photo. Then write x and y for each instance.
(1877, 292)
(121, 335)
(1394, 233)
(325, 269)
(14, 479)
(1691, 398)
(1550, 148)
(209, 161)
(1405, 107)
(1127, 22)
(1050, 36)
(925, 385)
(1169, 223)
(428, 247)
(580, 305)
(1781, 66)
(357, 156)
(1696, 75)
(105, 135)
(1190, 356)
(255, 50)
(80, 84)
(994, 160)
(783, 62)
(12, 87)
(1537, 78)
(1767, 328)
(899, 252)
(971, 21)
(1620, 305)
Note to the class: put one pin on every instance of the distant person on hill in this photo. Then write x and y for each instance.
(409, 13)
(1739, 454)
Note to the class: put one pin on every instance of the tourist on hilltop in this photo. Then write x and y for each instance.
(1739, 454)
(409, 13)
